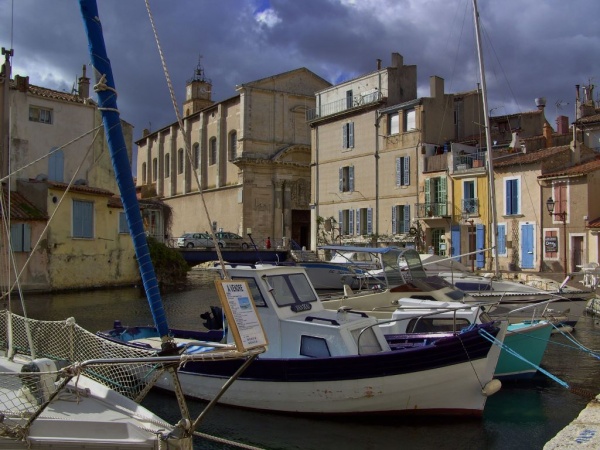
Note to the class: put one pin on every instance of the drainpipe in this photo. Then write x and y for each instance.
(379, 115)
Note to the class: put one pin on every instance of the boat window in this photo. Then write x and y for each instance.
(367, 342)
(254, 291)
(290, 289)
(314, 347)
(456, 295)
(428, 325)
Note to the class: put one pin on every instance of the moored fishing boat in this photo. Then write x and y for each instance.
(330, 362)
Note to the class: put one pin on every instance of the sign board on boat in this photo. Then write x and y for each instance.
(241, 313)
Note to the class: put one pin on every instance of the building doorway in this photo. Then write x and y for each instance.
(301, 227)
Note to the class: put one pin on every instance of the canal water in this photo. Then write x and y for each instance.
(522, 415)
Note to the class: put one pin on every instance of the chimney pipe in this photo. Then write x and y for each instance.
(378, 64)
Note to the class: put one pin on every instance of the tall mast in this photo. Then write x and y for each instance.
(488, 140)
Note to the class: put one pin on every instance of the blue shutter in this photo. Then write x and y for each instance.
(406, 218)
(16, 237)
(56, 165)
(358, 221)
(83, 219)
(341, 221)
(516, 194)
(351, 221)
(501, 239)
(341, 173)
(394, 211)
(398, 172)
(345, 136)
(455, 244)
(480, 243)
(369, 220)
(406, 180)
(351, 178)
(351, 135)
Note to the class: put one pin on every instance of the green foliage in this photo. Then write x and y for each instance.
(170, 267)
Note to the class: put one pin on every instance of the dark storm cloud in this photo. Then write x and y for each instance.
(532, 48)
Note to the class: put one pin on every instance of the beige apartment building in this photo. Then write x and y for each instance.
(248, 156)
(371, 138)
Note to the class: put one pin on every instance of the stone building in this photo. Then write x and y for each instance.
(246, 157)
(67, 227)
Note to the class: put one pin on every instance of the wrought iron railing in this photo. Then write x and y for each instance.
(343, 104)
(434, 209)
(470, 206)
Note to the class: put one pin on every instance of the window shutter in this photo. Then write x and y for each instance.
(480, 242)
(516, 197)
(26, 237)
(507, 195)
(351, 221)
(394, 213)
(341, 171)
(406, 218)
(341, 221)
(455, 244)
(351, 135)
(358, 221)
(398, 172)
(351, 178)
(16, 237)
(501, 239)
(345, 135)
(406, 180)
(370, 221)
(443, 197)
(427, 195)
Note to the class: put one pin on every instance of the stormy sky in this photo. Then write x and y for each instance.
(532, 48)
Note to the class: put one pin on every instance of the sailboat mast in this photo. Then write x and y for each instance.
(488, 140)
(107, 104)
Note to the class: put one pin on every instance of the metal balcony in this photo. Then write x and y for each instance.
(344, 104)
(431, 210)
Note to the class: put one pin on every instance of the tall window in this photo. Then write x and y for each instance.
(232, 145)
(20, 237)
(154, 169)
(83, 219)
(501, 239)
(167, 165)
(511, 196)
(346, 221)
(41, 115)
(410, 120)
(346, 179)
(348, 135)
(364, 221)
(349, 99)
(403, 171)
(469, 201)
(393, 123)
(212, 145)
(400, 219)
(436, 196)
(196, 156)
(180, 161)
(144, 173)
(56, 163)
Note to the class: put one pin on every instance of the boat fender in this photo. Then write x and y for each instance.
(491, 387)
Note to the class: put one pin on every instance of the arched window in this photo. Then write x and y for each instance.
(233, 145)
(196, 156)
(212, 145)
(144, 175)
(154, 169)
(180, 161)
(167, 165)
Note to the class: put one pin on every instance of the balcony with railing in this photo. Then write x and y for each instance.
(431, 210)
(436, 163)
(469, 207)
(469, 161)
(344, 104)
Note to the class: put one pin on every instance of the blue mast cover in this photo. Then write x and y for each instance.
(107, 101)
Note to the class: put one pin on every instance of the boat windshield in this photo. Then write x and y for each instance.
(291, 288)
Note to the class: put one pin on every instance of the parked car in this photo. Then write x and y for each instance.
(192, 240)
(226, 239)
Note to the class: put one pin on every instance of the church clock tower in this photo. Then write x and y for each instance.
(197, 92)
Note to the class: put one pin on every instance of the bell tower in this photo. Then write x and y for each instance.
(197, 91)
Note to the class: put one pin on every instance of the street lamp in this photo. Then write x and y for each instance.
(563, 217)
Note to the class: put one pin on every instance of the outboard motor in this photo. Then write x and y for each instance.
(39, 378)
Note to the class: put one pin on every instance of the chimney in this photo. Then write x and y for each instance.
(378, 63)
(548, 134)
(562, 125)
(397, 60)
(22, 83)
(540, 102)
(84, 85)
(436, 87)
